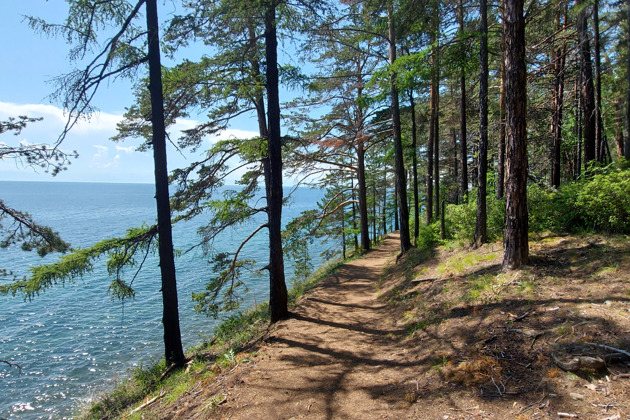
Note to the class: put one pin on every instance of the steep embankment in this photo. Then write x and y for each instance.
(440, 336)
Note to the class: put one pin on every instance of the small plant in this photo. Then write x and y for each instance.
(439, 363)
(526, 286)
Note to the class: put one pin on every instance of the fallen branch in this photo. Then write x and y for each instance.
(521, 317)
(423, 280)
(568, 415)
(579, 363)
(148, 403)
(172, 367)
(604, 346)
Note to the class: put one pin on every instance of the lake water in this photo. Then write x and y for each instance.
(74, 342)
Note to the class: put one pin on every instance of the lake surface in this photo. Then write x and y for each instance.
(74, 342)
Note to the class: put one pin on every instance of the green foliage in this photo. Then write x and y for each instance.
(428, 235)
(122, 253)
(460, 219)
(600, 203)
(221, 290)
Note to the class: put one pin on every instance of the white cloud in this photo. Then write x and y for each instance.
(98, 121)
(127, 150)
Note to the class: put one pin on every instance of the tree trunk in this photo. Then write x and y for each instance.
(430, 143)
(515, 244)
(455, 173)
(588, 94)
(277, 287)
(374, 205)
(354, 215)
(436, 137)
(363, 208)
(462, 116)
(599, 125)
(173, 350)
(343, 227)
(619, 128)
(627, 137)
(501, 164)
(558, 105)
(443, 221)
(481, 229)
(414, 167)
(384, 208)
(578, 118)
(435, 108)
(401, 187)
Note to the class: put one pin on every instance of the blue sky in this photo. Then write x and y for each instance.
(29, 62)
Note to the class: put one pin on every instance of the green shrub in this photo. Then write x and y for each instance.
(604, 202)
(460, 219)
(428, 235)
(600, 203)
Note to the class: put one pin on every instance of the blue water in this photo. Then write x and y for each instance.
(74, 342)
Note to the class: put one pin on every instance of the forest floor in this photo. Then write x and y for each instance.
(441, 334)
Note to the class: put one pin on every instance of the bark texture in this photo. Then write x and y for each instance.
(481, 225)
(173, 350)
(273, 176)
(515, 243)
(588, 90)
(462, 119)
(400, 178)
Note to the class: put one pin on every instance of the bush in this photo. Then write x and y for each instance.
(460, 219)
(604, 202)
(600, 203)
(428, 235)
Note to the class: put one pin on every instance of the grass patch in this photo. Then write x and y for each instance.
(459, 264)
(478, 287)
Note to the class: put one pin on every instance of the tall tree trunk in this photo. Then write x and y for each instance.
(462, 111)
(558, 104)
(515, 243)
(173, 350)
(588, 94)
(619, 128)
(481, 226)
(343, 226)
(354, 215)
(579, 125)
(436, 137)
(374, 205)
(363, 210)
(277, 287)
(430, 144)
(627, 137)
(435, 108)
(501, 164)
(400, 179)
(455, 162)
(414, 166)
(599, 125)
(384, 208)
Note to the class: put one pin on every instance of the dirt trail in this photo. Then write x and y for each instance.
(345, 354)
(337, 357)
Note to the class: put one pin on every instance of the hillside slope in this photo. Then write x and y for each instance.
(442, 335)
